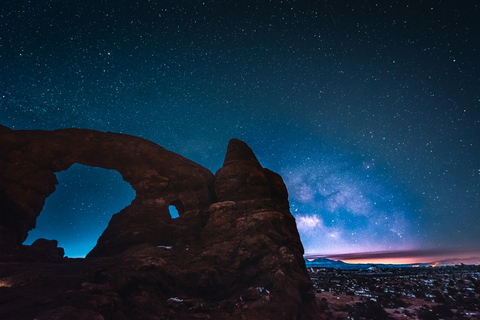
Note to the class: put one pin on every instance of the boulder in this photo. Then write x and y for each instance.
(43, 250)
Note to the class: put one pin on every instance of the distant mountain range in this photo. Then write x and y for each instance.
(327, 263)
(457, 262)
(337, 264)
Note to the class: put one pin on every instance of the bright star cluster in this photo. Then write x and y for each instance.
(370, 110)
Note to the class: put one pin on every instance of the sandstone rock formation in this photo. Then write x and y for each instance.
(234, 252)
(159, 177)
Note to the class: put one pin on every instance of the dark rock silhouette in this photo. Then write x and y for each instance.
(43, 250)
(233, 253)
(159, 177)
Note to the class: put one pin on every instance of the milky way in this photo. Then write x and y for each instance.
(370, 111)
(350, 205)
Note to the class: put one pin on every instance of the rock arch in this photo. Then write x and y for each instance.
(159, 177)
(235, 251)
(79, 210)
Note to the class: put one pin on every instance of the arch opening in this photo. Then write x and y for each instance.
(78, 212)
(175, 208)
(173, 212)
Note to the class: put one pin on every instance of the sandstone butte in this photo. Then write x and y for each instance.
(234, 252)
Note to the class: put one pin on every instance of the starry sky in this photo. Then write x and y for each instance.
(370, 110)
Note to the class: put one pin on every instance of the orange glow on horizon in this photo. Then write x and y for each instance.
(408, 257)
(403, 260)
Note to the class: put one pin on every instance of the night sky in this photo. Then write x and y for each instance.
(370, 110)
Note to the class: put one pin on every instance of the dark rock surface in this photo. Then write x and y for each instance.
(234, 252)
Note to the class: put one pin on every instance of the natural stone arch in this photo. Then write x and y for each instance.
(241, 259)
(178, 205)
(79, 210)
(31, 158)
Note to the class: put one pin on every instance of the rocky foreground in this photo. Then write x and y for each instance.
(431, 293)
(233, 253)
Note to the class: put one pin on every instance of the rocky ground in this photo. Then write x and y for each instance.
(407, 293)
(146, 283)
